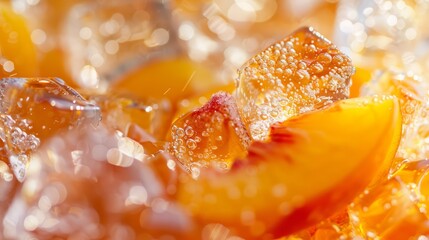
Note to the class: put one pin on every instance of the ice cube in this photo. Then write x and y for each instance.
(33, 109)
(104, 40)
(224, 34)
(395, 209)
(303, 72)
(413, 94)
(378, 34)
(120, 112)
(76, 189)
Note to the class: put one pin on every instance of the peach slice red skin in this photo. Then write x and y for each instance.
(271, 156)
(299, 219)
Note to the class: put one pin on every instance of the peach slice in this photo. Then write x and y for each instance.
(17, 52)
(303, 72)
(312, 166)
(175, 79)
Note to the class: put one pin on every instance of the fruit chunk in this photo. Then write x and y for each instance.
(47, 25)
(298, 74)
(359, 79)
(212, 134)
(312, 166)
(175, 79)
(33, 109)
(17, 52)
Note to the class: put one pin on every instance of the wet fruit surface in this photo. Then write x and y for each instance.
(189, 78)
(161, 143)
(298, 74)
(285, 171)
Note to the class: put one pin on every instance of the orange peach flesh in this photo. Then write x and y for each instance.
(17, 52)
(175, 79)
(280, 188)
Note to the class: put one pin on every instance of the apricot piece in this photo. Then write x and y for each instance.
(312, 166)
(175, 79)
(17, 52)
(212, 134)
(298, 74)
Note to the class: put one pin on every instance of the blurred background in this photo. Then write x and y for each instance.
(147, 62)
(190, 46)
(94, 43)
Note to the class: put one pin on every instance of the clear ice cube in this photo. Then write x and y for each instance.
(303, 72)
(32, 110)
(89, 183)
(105, 39)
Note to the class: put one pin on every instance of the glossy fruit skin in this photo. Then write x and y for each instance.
(299, 176)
